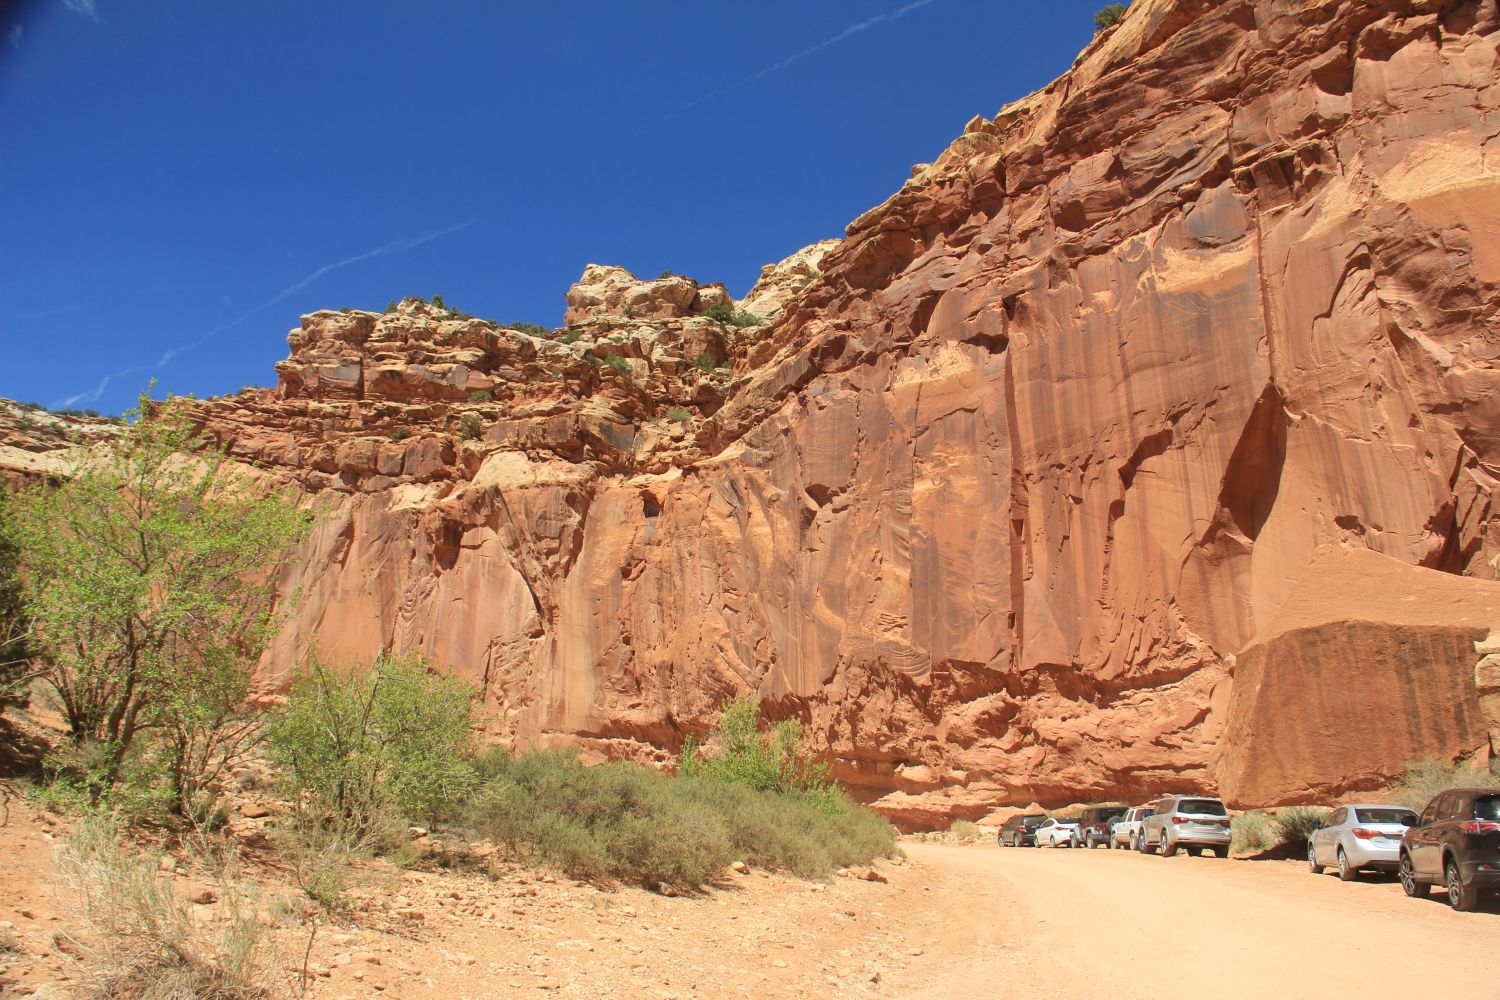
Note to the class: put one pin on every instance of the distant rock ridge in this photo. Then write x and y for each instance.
(1001, 492)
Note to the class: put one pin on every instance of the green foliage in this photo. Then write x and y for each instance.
(743, 319)
(630, 823)
(533, 329)
(400, 434)
(481, 396)
(772, 761)
(1424, 779)
(667, 274)
(618, 363)
(353, 743)
(149, 580)
(390, 306)
(569, 338)
(705, 363)
(721, 311)
(14, 627)
(1251, 833)
(1108, 16)
(438, 303)
(679, 415)
(470, 426)
(1295, 824)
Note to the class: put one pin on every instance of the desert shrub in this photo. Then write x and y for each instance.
(1250, 833)
(354, 744)
(400, 434)
(963, 830)
(679, 415)
(667, 274)
(705, 362)
(481, 396)
(723, 312)
(571, 337)
(149, 587)
(15, 669)
(771, 761)
(438, 303)
(142, 941)
(1424, 779)
(532, 329)
(470, 426)
(618, 363)
(1108, 16)
(390, 306)
(743, 319)
(624, 822)
(1296, 824)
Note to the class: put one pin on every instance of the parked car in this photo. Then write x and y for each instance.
(1126, 830)
(1055, 833)
(1194, 823)
(1357, 837)
(1455, 843)
(1020, 831)
(1093, 825)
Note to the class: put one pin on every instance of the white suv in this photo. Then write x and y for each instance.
(1127, 829)
(1194, 823)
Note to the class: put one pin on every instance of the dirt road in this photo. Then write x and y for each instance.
(1060, 923)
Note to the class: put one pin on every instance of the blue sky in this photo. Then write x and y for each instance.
(182, 180)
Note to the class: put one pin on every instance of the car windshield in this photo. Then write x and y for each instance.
(1201, 807)
(1404, 817)
(1487, 807)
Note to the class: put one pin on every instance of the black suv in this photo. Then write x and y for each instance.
(1020, 831)
(1094, 823)
(1455, 844)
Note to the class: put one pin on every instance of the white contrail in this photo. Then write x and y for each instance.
(395, 246)
(852, 29)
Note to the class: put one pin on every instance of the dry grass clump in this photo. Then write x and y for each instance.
(964, 830)
(143, 942)
(1424, 779)
(1295, 825)
(1251, 833)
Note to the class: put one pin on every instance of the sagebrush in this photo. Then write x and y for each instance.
(1424, 779)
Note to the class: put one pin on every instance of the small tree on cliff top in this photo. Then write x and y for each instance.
(149, 579)
(1108, 16)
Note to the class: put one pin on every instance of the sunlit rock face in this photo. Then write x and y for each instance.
(1011, 476)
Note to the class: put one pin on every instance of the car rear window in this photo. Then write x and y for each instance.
(1487, 807)
(1202, 807)
(1403, 816)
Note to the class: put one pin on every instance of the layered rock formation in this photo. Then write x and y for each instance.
(37, 443)
(1015, 472)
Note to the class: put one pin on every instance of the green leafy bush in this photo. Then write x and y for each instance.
(570, 337)
(1108, 16)
(618, 363)
(705, 363)
(532, 329)
(400, 434)
(352, 743)
(437, 301)
(481, 396)
(744, 319)
(677, 414)
(771, 761)
(470, 426)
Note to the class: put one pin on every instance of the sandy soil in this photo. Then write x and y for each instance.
(1121, 925)
(952, 921)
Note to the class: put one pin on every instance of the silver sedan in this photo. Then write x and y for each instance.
(1357, 837)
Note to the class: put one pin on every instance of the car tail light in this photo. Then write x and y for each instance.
(1480, 826)
(1179, 819)
(1364, 834)
(1223, 822)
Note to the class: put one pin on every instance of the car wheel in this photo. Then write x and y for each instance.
(1168, 847)
(1409, 883)
(1460, 896)
(1312, 859)
(1347, 872)
(1193, 852)
(1221, 852)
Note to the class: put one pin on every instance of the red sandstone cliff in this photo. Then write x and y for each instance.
(1019, 468)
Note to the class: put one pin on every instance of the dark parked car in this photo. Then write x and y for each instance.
(1094, 823)
(1020, 831)
(1455, 844)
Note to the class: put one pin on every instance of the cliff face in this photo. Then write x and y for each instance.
(1011, 475)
